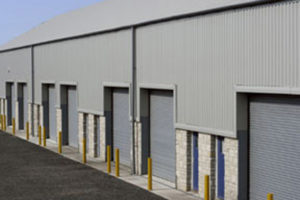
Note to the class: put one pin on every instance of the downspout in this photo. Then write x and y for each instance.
(32, 90)
(133, 94)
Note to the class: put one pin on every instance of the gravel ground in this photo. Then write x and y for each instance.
(28, 171)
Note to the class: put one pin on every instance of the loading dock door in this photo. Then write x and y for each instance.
(13, 101)
(72, 117)
(25, 102)
(274, 147)
(52, 113)
(21, 105)
(9, 103)
(162, 134)
(121, 125)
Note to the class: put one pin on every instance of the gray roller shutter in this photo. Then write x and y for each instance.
(13, 100)
(72, 117)
(122, 125)
(274, 147)
(162, 134)
(25, 99)
(9, 103)
(21, 105)
(52, 114)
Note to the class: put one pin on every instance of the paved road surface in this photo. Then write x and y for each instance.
(29, 172)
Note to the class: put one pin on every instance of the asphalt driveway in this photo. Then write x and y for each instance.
(30, 172)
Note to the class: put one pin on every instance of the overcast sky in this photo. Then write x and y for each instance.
(19, 16)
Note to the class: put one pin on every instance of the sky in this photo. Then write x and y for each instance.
(19, 16)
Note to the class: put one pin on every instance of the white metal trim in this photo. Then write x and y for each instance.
(258, 90)
(81, 110)
(49, 82)
(209, 131)
(68, 83)
(118, 85)
(153, 86)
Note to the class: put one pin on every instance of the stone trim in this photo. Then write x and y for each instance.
(29, 114)
(231, 168)
(41, 115)
(183, 160)
(207, 162)
(92, 145)
(138, 147)
(17, 115)
(102, 138)
(58, 121)
(80, 130)
(36, 114)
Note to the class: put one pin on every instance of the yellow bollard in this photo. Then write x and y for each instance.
(4, 124)
(27, 130)
(40, 135)
(206, 187)
(14, 126)
(59, 142)
(44, 137)
(84, 150)
(270, 196)
(117, 163)
(149, 174)
(108, 157)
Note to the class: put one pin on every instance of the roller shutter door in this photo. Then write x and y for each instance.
(9, 103)
(162, 134)
(72, 117)
(274, 147)
(13, 101)
(52, 114)
(21, 105)
(121, 125)
(25, 93)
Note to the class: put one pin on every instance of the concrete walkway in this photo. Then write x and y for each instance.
(160, 187)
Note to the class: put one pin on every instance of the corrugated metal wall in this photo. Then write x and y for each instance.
(207, 56)
(15, 66)
(88, 61)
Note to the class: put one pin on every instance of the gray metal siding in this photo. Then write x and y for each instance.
(15, 66)
(207, 56)
(72, 117)
(113, 14)
(52, 113)
(274, 147)
(87, 61)
(162, 134)
(121, 125)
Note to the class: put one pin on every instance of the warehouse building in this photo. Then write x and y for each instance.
(202, 87)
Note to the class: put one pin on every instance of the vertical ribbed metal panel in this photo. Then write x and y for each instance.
(89, 62)
(52, 113)
(72, 117)
(25, 92)
(162, 135)
(15, 65)
(207, 56)
(121, 125)
(13, 100)
(20, 98)
(274, 147)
